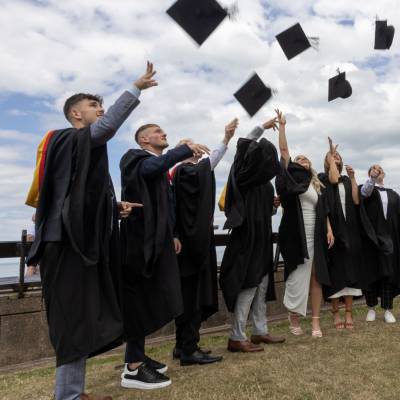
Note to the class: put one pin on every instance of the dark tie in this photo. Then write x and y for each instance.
(382, 189)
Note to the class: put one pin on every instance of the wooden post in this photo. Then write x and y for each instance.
(22, 251)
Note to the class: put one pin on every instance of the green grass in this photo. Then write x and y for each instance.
(363, 364)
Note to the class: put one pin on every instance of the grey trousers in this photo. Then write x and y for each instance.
(70, 380)
(250, 303)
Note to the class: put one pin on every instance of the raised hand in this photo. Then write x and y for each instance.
(272, 123)
(281, 118)
(350, 171)
(146, 81)
(199, 149)
(375, 172)
(230, 130)
(332, 147)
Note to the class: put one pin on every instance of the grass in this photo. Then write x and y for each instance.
(362, 364)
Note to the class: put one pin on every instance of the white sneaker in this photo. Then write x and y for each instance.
(371, 315)
(389, 317)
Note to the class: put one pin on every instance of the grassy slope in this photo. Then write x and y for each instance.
(358, 365)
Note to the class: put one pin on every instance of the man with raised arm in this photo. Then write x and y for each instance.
(151, 282)
(194, 184)
(77, 235)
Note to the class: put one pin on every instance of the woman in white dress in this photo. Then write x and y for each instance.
(345, 258)
(304, 235)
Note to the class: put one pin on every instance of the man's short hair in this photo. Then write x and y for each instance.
(141, 129)
(76, 98)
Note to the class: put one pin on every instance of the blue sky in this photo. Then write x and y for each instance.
(101, 47)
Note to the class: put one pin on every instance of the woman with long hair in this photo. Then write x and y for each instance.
(345, 258)
(304, 235)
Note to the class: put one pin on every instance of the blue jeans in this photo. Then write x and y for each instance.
(70, 380)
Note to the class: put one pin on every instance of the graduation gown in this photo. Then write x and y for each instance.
(77, 246)
(346, 259)
(248, 255)
(382, 240)
(290, 183)
(151, 279)
(194, 186)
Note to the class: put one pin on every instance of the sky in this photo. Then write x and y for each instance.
(51, 49)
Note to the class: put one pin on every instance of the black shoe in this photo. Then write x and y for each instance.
(159, 367)
(199, 357)
(143, 377)
(176, 353)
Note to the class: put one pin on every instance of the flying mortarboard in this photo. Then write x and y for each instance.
(253, 94)
(199, 18)
(294, 41)
(384, 35)
(339, 87)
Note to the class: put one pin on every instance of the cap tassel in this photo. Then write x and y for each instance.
(233, 11)
(314, 41)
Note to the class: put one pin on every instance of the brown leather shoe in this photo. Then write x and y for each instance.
(267, 339)
(243, 346)
(92, 397)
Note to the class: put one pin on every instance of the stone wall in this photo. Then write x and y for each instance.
(24, 335)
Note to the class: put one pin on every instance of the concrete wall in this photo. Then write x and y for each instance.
(24, 335)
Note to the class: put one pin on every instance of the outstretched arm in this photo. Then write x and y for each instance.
(217, 154)
(106, 126)
(354, 187)
(152, 167)
(368, 187)
(283, 146)
(257, 132)
(334, 173)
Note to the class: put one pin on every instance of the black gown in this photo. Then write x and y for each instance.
(290, 183)
(248, 256)
(151, 280)
(81, 272)
(194, 186)
(346, 259)
(382, 240)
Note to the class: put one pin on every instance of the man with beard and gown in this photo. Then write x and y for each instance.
(381, 277)
(345, 259)
(151, 281)
(77, 236)
(194, 186)
(247, 277)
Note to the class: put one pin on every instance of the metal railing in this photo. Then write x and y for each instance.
(21, 248)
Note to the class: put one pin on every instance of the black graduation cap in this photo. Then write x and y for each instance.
(199, 18)
(293, 41)
(339, 87)
(384, 35)
(253, 94)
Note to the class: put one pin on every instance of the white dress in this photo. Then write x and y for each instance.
(298, 282)
(345, 291)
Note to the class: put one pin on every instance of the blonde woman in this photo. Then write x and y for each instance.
(304, 235)
(345, 258)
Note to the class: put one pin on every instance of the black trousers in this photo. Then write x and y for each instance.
(134, 351)
(188, 332)
(382, 289)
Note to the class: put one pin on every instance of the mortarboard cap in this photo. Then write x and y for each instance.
(199, 18)
(253, 94)
(339, 87)
(293, 41)
(384, 35)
